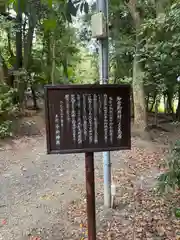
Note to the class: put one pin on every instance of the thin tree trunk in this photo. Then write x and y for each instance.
(169, 100)
(35, 105)
(4, 73)
(147, 103)
(157, 102)
(65, 70)
(27, 54)
(164, 97)
(53, 60)
(167, 106)
(9, 44)
(178, 106)
(140, 116)
(9, 39)
(116, 73)
(161, 5)
(156, 114)
(19, 57)
(152, 105)
(28, 47)
(24, 29)
(132, 104)
(48, 56)
(1, 70)
(11, 75)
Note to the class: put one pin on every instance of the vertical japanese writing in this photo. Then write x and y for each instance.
(79, 127)
(61, 114)
(84, 117)
(111, 119)
(119, 117)
(105, 117)
(73, 117)
(99, 104)
(57, 130)
(90, 118)
(67, 107)
(95, 119)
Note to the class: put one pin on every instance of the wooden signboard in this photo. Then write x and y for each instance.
(87, 118)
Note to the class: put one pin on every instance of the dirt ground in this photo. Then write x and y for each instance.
(44, 195)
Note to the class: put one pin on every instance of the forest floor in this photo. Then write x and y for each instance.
(44, 195)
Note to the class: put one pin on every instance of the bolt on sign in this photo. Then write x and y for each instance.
(87, 118)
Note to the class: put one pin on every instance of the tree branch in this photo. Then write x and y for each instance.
(132, 4)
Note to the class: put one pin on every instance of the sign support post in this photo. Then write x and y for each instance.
(90, 190)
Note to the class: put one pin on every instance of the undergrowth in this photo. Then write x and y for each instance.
(8, 109)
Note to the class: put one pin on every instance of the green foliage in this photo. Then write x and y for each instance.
(8, 108)
(126, 80)
(7, 96)
(49, 24)
(160, 50)
(177, 212)
(170, 179)
(6, 129)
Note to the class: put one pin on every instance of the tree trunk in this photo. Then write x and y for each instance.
(19, 57)
(169, 101)
(9, 44)
(140, 116)
(1, 71)
(28, 45)
(65, 70)
(161, 5)
(10, 75)
(164, 97)
(152, 105)
(53, 60)
(157, 102)
(156, 114)
(35, 105)
(178, 106)
(132, 105)
(27, 55)
(4, 72)
(147, 103)
(48, 56)
(116, 72)
(24, 29)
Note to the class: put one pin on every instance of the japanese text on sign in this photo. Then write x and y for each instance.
(87, 118)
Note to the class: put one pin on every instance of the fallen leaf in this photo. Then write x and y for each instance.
(4, 222)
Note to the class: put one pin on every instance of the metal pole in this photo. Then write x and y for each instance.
(102, 6)
(90, 190)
